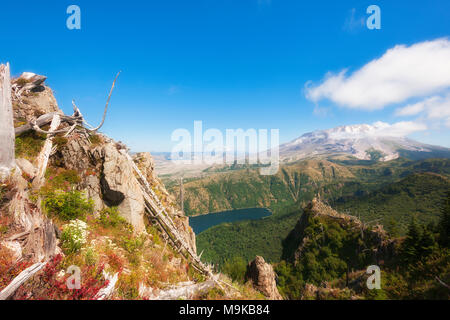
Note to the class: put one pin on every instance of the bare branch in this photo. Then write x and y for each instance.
(44, 120)
(442, 282)
(107, 103)
(37, 129)
(70, 130)
(76, 111)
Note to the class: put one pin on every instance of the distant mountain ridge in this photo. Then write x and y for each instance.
(362, 141)
(379, 142)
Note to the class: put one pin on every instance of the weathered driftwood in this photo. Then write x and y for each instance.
(40, 122)
(187, 290)
(6, 123)
(21, 279)
(107, 104)
(21, 235)
(45, 153)
(74, 121)
(107, 291)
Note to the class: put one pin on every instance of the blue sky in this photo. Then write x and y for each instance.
(230, 63)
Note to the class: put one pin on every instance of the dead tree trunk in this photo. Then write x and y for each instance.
(45, 153)
(7, 136)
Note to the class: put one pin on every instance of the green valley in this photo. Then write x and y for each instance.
(393, 192)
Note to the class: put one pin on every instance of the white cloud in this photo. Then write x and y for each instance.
(321, 111)
(401, 73)
(434, 108)
(416, 108)
(398, 129)
(378, 129)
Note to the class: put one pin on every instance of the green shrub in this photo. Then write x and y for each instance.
(22, 82)
(60, 141)
(235, 268)
(59, 178)
(3, 230)
(90, 257)
(110, 217)
(155, 234)
(68, 205)
(131, 245)
(95, 139)
(29, 144)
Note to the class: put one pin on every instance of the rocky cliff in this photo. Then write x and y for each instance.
(327, 254)
(374, 236)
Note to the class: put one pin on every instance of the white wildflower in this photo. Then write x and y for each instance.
(74, 235)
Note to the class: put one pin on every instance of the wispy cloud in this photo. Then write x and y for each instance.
(435, 109)
(321, 111)
(173, 89)
(353, 22)
(263, 3)
(402, 73)
(398, 129)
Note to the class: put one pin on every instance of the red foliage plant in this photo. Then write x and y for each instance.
(115, 261)
(8, 269)
(49, 287)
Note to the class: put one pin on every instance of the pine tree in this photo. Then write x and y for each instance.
(427, 244)
(412, 245)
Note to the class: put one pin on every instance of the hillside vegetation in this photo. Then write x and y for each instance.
(248, 189)
(419, 195)
(393, 192)
(327, 255)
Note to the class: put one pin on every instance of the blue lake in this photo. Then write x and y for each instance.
(206, 221)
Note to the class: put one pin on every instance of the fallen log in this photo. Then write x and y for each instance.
(107, 291)
(40, 122)
(185, 291)
(21, 279)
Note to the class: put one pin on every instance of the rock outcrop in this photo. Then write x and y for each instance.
(109, 180)
(296, 241)
(32, 98)
(263, 277)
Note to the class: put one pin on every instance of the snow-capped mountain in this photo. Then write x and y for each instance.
(379, 141)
